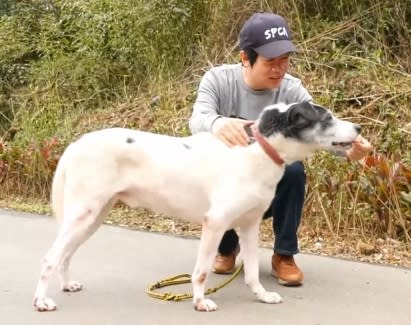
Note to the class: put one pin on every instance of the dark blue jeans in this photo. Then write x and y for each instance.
(286, 209)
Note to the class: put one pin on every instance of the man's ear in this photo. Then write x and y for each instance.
(244, 59)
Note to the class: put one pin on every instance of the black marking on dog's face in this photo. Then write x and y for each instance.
(130, 140)
(296, 119)
(305, 116)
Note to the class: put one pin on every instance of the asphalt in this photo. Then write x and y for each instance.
(117, 264)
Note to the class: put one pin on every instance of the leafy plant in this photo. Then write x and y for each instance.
(386, 186)
(23, 170)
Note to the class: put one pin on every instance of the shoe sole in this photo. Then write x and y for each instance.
(284, 282)
(223, 272)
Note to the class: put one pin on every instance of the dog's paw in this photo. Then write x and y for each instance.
(270, 297)
(205, 305)
(44, 304)
(72, 286)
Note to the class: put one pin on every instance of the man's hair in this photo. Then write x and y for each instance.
(251, 55)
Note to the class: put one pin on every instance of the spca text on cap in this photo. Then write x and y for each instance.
(273, 32)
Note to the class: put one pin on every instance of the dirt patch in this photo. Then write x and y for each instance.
(350, 246)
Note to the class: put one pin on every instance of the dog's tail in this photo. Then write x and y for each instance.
(57, 189)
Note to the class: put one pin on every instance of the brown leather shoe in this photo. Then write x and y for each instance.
(286, 271)
(225, 264)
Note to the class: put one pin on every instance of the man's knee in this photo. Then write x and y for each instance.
(290, 189)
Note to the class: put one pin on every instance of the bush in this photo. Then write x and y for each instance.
(84, 54)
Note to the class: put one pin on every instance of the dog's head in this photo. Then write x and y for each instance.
(299, 129)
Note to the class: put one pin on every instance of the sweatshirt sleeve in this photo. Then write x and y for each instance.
(299, 93)
(206, 106)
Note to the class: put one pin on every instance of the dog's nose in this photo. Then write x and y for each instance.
(357, 128)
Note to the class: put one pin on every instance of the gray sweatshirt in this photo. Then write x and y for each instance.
(223, 92)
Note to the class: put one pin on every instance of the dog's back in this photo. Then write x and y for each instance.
(118, 162)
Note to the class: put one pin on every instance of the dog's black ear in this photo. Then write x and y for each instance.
(319, 107)
(272, 121)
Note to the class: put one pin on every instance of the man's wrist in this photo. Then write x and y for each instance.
(212, 123)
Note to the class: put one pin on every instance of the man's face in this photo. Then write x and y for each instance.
(268, 73)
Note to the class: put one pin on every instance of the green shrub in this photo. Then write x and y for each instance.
(85, 54)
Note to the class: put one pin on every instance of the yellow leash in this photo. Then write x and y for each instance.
(181, 279)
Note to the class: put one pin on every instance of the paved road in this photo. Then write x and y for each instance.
(117, 264)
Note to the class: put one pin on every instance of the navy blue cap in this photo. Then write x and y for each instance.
(267, 34)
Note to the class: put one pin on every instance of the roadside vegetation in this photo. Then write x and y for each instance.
(67, 67)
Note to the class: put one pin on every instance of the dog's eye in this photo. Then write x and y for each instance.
(326, 121)
(328, 117)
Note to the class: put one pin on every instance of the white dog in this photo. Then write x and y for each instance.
(197, 178)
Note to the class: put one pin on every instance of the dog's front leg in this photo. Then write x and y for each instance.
(249, 247)
(211, 234)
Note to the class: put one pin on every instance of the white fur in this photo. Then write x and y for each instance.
(197, 178)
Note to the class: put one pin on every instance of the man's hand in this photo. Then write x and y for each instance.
(231, 131)
(360, 148)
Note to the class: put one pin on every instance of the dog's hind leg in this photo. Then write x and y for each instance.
(249, 247)
(66, 283)
(77, 226)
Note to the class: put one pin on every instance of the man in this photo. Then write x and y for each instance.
(229, 96)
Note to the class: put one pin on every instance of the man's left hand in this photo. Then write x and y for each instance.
(360, 148)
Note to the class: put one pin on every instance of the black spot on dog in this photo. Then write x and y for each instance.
(130, 140)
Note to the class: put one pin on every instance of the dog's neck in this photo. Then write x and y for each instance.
(268, 149)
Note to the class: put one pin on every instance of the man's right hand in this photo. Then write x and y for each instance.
(231, 131)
